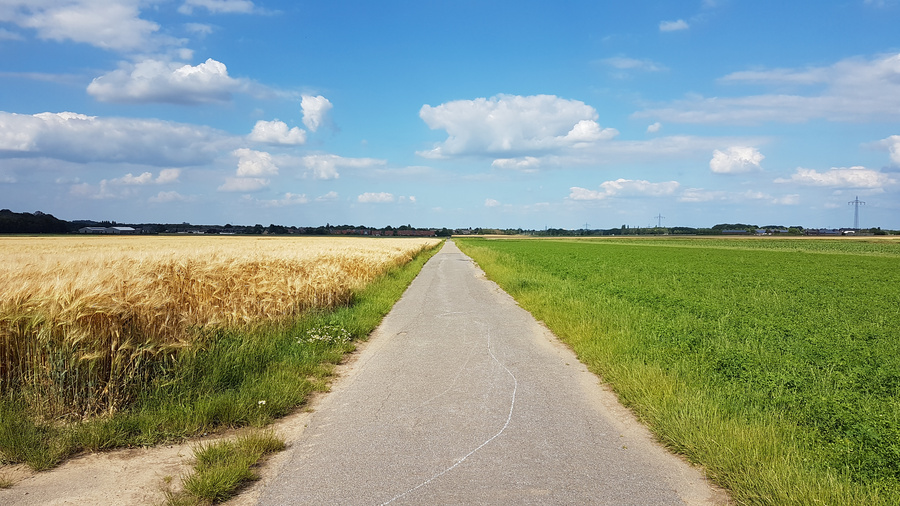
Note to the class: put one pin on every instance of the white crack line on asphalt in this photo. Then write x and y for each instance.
(512, 405)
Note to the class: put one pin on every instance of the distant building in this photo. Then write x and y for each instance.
(109, 230)
(93, 230)
(417, 233)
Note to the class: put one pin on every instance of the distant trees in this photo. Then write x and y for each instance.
(31, 223)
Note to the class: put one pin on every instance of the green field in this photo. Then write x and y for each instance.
(774, 364)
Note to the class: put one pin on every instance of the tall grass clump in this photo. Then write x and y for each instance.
(138, 340)
(777, 368)
(222, 468)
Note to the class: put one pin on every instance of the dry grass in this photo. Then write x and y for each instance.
(84, 322)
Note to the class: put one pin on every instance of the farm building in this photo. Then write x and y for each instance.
(108, 230)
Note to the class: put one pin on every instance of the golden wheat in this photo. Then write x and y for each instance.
(83, 320)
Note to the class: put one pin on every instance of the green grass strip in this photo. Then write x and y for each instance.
(775, 368)
(222, 468)
(226, 379)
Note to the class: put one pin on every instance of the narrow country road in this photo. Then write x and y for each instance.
(461, 397)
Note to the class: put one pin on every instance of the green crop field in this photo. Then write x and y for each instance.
(774, 364)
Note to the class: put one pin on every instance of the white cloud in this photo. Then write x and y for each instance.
(315, 111)
(128, 179)
(892, 143)
(277, 132)
(328, 197)
(840, 177)
(854, 89)
(625, 63)
(200, 29)
(122, 187)
(165, 197)
(289, 199)
(673, 26)
(525, 164)
(787, 200)
(255, 163)
(112, 25)
(652, 129)
(218, 6)
(491, 203)
(624, 187)
(376, 198)
(512, 124)
(736, 160)
(699, 195)
(167, 176)
(152, 81)
(79, 138)
(588, 131)
(325, 166)
(655, 150)
(243, 184)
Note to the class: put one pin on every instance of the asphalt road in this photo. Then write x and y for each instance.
(461, 397)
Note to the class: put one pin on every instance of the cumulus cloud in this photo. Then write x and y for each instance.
(108, 25)
(328, 197)
(277, 132)
(524, 164)
(736, 160)
(491, 203)
(152, 81)
(652, 129)
(254, 163)
(123, 187)
(325, 166)
(315, 111)
(624, 187)
(854, 89)
(289, 199)
(218, 6)
(166, 176)
(376, 198)
(892, 143)
(79, 138)
(243, 184)
(840, 177)
(673, 26)
(512, 124)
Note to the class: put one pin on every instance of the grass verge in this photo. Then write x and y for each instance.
(225, 379)
(222, 468)
(778, 371)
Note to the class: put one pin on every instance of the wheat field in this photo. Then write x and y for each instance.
(84, 321)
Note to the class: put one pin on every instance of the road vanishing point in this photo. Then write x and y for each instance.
(462, 397)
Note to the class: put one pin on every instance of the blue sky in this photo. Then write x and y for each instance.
(465, 113)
